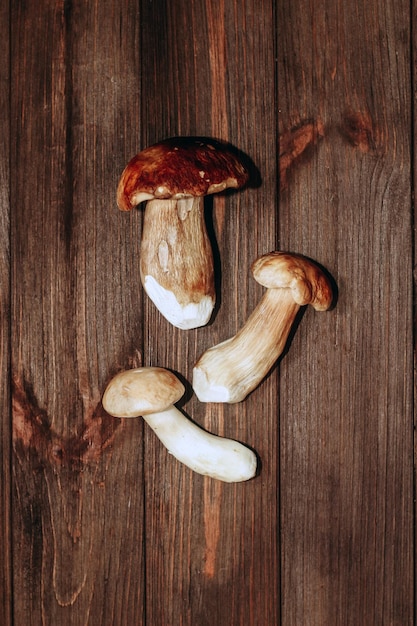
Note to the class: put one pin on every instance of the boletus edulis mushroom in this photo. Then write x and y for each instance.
(229, 371)
(151, 392)
(176, 259)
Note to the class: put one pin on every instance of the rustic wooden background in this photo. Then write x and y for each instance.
(99, 525)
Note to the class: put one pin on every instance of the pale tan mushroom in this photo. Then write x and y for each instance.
(151, 392)
(176, 262)
(229, 371)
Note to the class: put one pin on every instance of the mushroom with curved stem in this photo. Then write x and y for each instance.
(176, 264)
(152, 392)
(229, 371)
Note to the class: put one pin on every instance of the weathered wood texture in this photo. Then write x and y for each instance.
(5, 424)
(346, 389)
(107, 527)
(209, 533)
(77, 491)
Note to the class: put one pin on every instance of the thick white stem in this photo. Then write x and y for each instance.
(229, 371)
(176, 264)
(204, 453)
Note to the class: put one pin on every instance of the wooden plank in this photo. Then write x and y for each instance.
(5, 424)
(212, 547)
(346, 383)
(413, 55)
(77, 500)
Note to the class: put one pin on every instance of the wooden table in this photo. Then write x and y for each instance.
(99, 525)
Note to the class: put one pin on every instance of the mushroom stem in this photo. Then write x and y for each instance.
(207, 454)
(229, 371)
(176, 263)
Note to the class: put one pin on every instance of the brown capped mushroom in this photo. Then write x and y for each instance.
(176, 264)
(151, 392)
(229, 371)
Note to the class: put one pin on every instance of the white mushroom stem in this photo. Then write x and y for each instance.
(229, 371)
(207, 454)
(176, 264)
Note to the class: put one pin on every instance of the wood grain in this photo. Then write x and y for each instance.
(5, 424)
(207, 73)
(108, 528)
(346, 396)
(76, 319)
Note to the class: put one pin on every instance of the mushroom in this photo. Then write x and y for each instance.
(176, 264)
(229, 371)
(151, 392)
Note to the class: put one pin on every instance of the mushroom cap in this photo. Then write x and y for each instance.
(303, 277)
(180, 167)
(142, 391)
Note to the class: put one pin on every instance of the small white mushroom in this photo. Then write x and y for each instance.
(151, 392)
(229, 371)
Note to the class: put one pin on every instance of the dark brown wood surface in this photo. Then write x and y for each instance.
(5, 395)
(99, 524)
(346, 389)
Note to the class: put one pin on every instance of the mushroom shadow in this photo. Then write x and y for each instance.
(254, 181)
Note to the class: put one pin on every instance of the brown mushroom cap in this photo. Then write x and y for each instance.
(142, 391)
(180, 167)
(304, 278)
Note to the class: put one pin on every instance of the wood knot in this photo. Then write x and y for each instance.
(33, 435)
(359, 130)
(295, 146)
